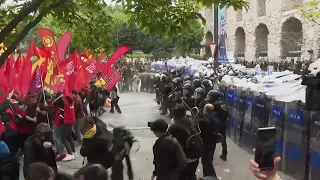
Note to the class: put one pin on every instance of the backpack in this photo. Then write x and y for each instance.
(194, 144)
(180, 155)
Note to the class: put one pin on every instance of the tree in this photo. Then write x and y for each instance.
(171, 17)
(85, 15)
(161, 16)
(191, 39)
(311, 11)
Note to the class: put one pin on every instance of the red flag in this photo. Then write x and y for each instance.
(4, 88)
(10, 73)
(117, 55)
(8, 66)
(69, 66)
(111, 77)
(31, 50)
(41, 52)
(44, 69)
(63, 44)
(69, 85)
(17, 64)
(49, 42)
(84, 75)
(24, 78)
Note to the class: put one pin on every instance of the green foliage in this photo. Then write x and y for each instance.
(311, 11)
(93, 23)
(171, 17)
(190, 41)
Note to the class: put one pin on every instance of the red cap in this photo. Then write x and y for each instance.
(1, 127)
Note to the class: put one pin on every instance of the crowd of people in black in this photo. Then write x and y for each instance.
(199, 121)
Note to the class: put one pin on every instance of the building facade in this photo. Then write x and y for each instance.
(270, 29)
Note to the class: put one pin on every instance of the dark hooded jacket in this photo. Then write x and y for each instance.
(35, 152)
(97, 148)
(209, 125)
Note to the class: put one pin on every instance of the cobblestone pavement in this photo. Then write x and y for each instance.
(137, 110)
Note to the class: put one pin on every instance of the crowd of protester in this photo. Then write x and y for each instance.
(42, 129)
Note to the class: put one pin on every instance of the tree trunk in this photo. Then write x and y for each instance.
(32, 7)
(23, 34)
(26, 30)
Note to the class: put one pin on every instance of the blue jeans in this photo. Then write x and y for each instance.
(57, 138)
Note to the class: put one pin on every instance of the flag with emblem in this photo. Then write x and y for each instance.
(49, 42)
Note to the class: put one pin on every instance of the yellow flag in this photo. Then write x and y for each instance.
(50, 71)
(100, 82)
(37, 63)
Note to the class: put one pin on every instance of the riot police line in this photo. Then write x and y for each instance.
(290, 106)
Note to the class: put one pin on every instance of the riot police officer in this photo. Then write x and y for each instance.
(199, 96)
(187, 96)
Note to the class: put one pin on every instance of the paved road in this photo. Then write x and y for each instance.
(137, 110)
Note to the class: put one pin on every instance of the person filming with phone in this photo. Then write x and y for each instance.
(265, 164)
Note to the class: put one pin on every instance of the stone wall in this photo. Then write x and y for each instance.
(272, 26)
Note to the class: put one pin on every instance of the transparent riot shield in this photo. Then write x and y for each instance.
(223, 92)
(245, 141)
(314, 145)
(229, 106)
(234, 112)
(276, 120)
(241, 107)
(260, 115)
(295, 140)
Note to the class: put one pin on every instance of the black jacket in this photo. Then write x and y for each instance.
(209, 125)
(180, 131)
(35, 152)
(165, 158)
(96, 149)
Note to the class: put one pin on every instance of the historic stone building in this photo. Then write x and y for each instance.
(272, 28)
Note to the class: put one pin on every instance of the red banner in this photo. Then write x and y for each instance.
(49, 42)
(24, 78)
(69, 66)
(63, 44)
(111, 77)
(31, 50)
(117, 55)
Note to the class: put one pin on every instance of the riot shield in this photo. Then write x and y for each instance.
(241, 107)
(260, 115)
(295, 140)
(245, 140)
(276, 120)
(314, 145)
